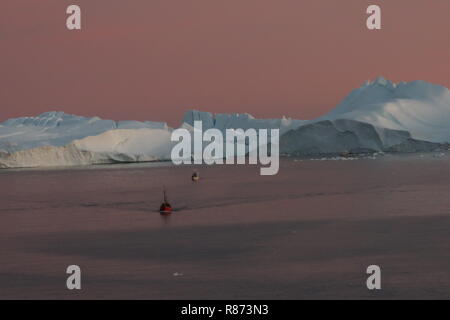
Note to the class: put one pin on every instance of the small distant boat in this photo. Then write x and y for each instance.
(195, 176)
(165, 207)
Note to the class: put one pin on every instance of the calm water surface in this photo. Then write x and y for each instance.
(308, 232)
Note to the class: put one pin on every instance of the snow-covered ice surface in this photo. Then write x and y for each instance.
(379, 116)
(113, 146)
(342, 135)
(421, 108)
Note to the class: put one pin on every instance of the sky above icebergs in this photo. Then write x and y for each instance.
(153, 60)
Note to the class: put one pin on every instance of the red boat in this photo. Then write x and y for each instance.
(165, 207)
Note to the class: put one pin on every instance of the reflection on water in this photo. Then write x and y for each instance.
(165, 217)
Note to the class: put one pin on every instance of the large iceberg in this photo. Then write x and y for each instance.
(60, 139)
(421, 108)
(59, 129)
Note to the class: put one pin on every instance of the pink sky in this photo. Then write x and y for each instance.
(154, 59)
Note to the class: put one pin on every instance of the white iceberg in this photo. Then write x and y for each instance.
(113, 146)
(421, 108)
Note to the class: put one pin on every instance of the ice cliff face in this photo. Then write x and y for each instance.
(421, 108)
(59, 139)
(348, 136)
(139, 144)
